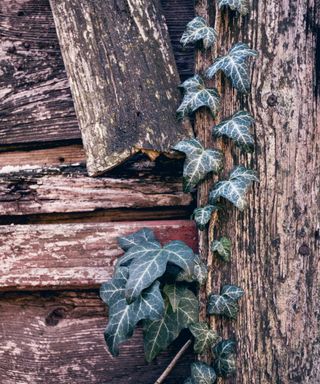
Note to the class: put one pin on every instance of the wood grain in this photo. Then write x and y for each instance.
(61, 256)
(53, 337)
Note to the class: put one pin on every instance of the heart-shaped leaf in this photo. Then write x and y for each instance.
(160, 333)
(224, 358)
(226, 303)
(202, 373)
(181, 255)
(222, 247)
(198, 163)
(235, 66)
(205, 338)
(136, 238)
(196, 96)
(242, 6)
(198, 29)
(237, 128)
(235, 188)
(232, 292)
(202, 216)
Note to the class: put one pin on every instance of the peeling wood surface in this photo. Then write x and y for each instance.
(58, 338)
(69, 256)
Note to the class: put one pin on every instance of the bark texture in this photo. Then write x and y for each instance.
(123, 78)
(276, 241)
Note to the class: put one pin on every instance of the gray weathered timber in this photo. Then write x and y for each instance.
(275, 255)
(123, 78)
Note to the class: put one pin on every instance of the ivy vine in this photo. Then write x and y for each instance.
(156, 285)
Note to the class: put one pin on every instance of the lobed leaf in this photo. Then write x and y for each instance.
(226, 303)
(235, 66)
(234, 189)
(232, 292)
(237, 128)
(200, 273)
(222, 247)
(202, 373)
(136, 238)
(224, 358)
(198, 29)
(202, 216)
(242, 6)
(181, 255)
(205, 338)
(198, 163)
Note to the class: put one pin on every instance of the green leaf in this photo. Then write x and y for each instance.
(202, 373)
(205, 338)
(150, 304)
(113, 290)
(235, 66)
(198, 29)
(234, 189)
(174, 293)
(202, 216)
(222, 305)
(135, 251)
(200, 273)
(222, 247)
(136, 238)
(198, 163)
(188, 381)
(159, 334)
(196, 96)
(237, 128)
(121, 273)
(224, 358)
(181, 255)
(232, 292)
(242, 6)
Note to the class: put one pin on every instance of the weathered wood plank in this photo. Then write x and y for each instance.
(123, 78)
(72, 255)
(23, 194)
(58, 338)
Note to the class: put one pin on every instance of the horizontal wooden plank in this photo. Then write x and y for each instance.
(58, 338)
(57, 256)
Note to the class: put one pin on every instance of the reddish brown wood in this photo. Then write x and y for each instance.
(57, 256)
(58, 338)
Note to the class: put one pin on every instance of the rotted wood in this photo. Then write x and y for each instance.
(58, 256)
(53, 337)
(123, 78)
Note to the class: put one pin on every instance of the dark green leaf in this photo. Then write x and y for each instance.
(222, 247)
(181, 255)
(235, 66)
(192, 84)
(234, 189)
(205, 338)
(200, 273)
(135, 251)
(202, 216)
(202, 373)
(174, 293)
(121, 273)
(113, 290)
(224, 358)
(222, 305)
(242, 6)
(198, 29)
(237, 128)
(198, 163)
(188, 381)
(141, 236)
(232, 292)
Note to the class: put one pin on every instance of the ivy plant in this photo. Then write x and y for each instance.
(224, 358)
(222, 248)
(242, 6)
(225, 304)
(198, 30)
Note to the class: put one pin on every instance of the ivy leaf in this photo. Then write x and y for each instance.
(188, 381)
(136, 238)
(198, 29)
(205, 338)
(235, 66)
(202, 216)
(237, 128)
(160, 333)
(121, 273)
(174, 293)
(234, 189)
(222, 305)
(200, 273)
(196, 96)
(135, 251)
(198, 163)
(242, 6)
(150, 304)
(232, 292)
(113, 290)
(181, 255)
(222, 247)
(225, 358)
(202, 373)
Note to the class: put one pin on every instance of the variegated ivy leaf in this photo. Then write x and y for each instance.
(235, 66)
(198, 29)
(224, 358)
(237, 128)
(160, 333)
(198, 163)
(113, 290)
(242, 6)
(226, 303)
(136, 238)
(202, 373)
(205, 337)
(196, 96)
(202, 216)
(222, 247)
(121, 273)
(234, 189)
(174, 293)
(200, 273)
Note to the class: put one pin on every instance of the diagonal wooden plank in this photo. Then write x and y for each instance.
(58, 256)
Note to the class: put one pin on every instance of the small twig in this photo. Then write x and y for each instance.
(173, 363)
